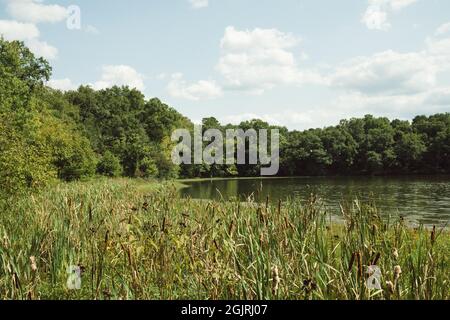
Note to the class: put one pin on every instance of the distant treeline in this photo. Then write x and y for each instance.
(47, 135)
(367, 146)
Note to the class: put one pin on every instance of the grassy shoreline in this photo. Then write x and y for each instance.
(140, 240)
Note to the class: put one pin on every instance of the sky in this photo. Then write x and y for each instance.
(296, 63)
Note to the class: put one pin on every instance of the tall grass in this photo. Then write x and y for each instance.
(136, 242)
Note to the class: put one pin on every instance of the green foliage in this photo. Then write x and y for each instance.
(47, 134)
(135, 131)
(366, 146)
(36, 146)
(148, 168)
(23, 165)
(109, 165)
(20, 73)
(71, 153)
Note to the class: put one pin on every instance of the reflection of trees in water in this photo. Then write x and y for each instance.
(426, 200)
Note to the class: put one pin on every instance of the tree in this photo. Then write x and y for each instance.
(21, 73)
(36, 146)
(23, 165)
(71, 153)
(23, 162)
(109, 165)
(342, 148)
(409, 149)
(435, 132)
(306, 154)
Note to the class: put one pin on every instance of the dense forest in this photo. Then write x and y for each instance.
(47, 135)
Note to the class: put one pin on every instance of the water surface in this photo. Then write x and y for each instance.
(420, 199)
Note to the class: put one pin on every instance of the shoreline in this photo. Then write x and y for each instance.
(190, 180)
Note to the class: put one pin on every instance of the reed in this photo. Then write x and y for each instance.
(136, 242)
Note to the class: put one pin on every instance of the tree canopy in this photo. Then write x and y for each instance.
(47, 135)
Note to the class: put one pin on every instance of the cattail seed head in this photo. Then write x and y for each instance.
(390, 287)
(261, 239)
(275, 280)
(433, 235)
(397, 272)
(374, 230)
(395, 253)
(5, 241)
(33, 264)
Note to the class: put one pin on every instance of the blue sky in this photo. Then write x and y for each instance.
(298, 63)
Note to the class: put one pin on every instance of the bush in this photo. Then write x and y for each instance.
(109, 165)
(71, 153)
(148, 168)
(22, 164)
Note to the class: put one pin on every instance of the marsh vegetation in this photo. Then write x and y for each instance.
(134, 240)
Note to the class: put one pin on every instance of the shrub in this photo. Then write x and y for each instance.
(148, 168)
(109, 165)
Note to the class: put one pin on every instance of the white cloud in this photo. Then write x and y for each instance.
(35, 11)
(377, 13)
(198, 4)
(288, 118)
(260, 59)
(200, 90)
(388, 73)
(439, 52)
(433, 101)
(29, 33)
(397, 5)
(443, 29)
(354, 104)
(62, 84)
(257, 39)
(375, 18)
(26, 14)
(42, 48)
(13, 30)
(394, 84)
(395, 73)
(439, 97)
(112, 75)
(120, 75)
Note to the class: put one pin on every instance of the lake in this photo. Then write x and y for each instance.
(421, 199)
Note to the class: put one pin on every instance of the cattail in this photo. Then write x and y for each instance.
(275, 280)
(231, 228)
(216, 245)
(395, 253)
(5, 241)
(374, 230)
(352, 260)
(33, 264)
(15, 280)
(390, 287)
(261, 239)
(433, 235)
(360, 264)
(163, 228)
(397, 272)
(376, 259)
